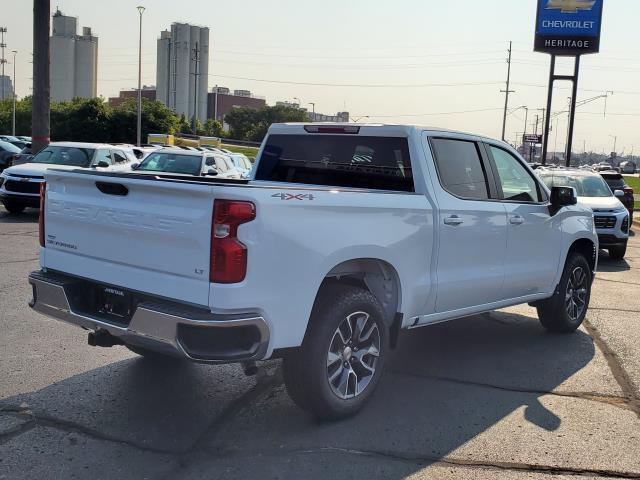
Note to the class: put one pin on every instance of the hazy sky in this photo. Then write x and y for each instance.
(434, 59)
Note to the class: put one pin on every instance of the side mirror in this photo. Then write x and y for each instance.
(563, 196)
(101, 164)
(211, 172)
(618, 193)
(134, 166)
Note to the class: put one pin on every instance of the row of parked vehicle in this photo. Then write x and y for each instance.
(22, 176)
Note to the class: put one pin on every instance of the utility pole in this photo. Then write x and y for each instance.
(3, 60)
(526, 118)
(506, 92)
(215, 105)
(196, 59)
(141, 10)
(40, 113)
(314, 110)
(13, 114)
(531, 147)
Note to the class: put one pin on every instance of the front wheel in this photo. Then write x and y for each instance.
(14, 208)
(618, 252)
(341, 360)
(565, 311)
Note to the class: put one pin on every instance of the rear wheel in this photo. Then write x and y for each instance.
(340, 363)
(565, 311)
(13, 207)
(618, 252)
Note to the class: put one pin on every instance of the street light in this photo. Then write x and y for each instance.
(615, 142)
(313, 105)
(13, 115)
(141, 10)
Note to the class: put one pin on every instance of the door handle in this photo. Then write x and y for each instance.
(453, 220)
(516, 220)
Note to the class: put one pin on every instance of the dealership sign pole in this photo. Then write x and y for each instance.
(566, 28)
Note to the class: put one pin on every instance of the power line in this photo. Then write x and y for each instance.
(318, 84)
(405, 115)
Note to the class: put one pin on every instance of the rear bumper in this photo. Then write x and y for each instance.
(163, 326)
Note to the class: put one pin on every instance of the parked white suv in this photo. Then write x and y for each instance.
(610, 215)
(346, 235)
(187, 162)
(20, 185)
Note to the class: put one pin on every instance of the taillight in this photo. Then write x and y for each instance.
(628, 190)
(43, 193)
(228, 263)
(347, 130)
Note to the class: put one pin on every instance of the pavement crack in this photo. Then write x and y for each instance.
(19, 261)
(42, 419)
(614, 400)
(618, 371)
(617, 281)
(607, 309)
(511, 466)
(16, 431)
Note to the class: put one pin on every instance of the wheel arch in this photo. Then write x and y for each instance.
(588, 249)
(373, 274)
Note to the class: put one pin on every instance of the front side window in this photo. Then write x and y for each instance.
(460, 168)
(516, 182)
(221, 165)
(59, 155)
(119, 157)
(378, 163)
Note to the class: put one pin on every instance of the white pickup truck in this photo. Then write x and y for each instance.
(345, 235)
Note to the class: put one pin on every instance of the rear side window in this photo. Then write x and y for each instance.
(377, 163)
(460, 168)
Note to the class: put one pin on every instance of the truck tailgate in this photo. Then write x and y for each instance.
(142, 234)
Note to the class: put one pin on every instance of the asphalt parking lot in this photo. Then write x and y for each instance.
(490, 396)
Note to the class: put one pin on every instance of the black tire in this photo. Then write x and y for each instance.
(618, 252)
(307, 371)
(153, 355)
(554, 312)
(14, 208)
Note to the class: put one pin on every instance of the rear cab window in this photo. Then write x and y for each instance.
(369, 162)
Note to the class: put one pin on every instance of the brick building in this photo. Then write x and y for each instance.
(148, 92)
(222, 100)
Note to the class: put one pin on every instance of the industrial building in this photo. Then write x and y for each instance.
(221, 101)
(74, 60)
(148, 92)
(182, 72)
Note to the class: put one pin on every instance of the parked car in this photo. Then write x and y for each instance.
(611, 217)
(615, 181)
(240, 161)
(602, 166)
(321, 259)
(8, 152)
(20, 184)
(628, 167)
(188, 162)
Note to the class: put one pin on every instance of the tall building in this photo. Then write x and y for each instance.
(182, 73)
(74, 60)
(6, 87)
(148, 92)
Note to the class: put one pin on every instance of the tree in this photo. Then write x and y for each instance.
(249, 124)
(213, 128)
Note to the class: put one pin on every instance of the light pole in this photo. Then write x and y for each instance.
(615, 142)
(13, 115)
(141, 10)
(313, 105)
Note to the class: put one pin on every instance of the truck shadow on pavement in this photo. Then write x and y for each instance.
(445, 385)
(30, 215)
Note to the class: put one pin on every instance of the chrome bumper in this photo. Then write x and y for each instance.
(159, 325)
